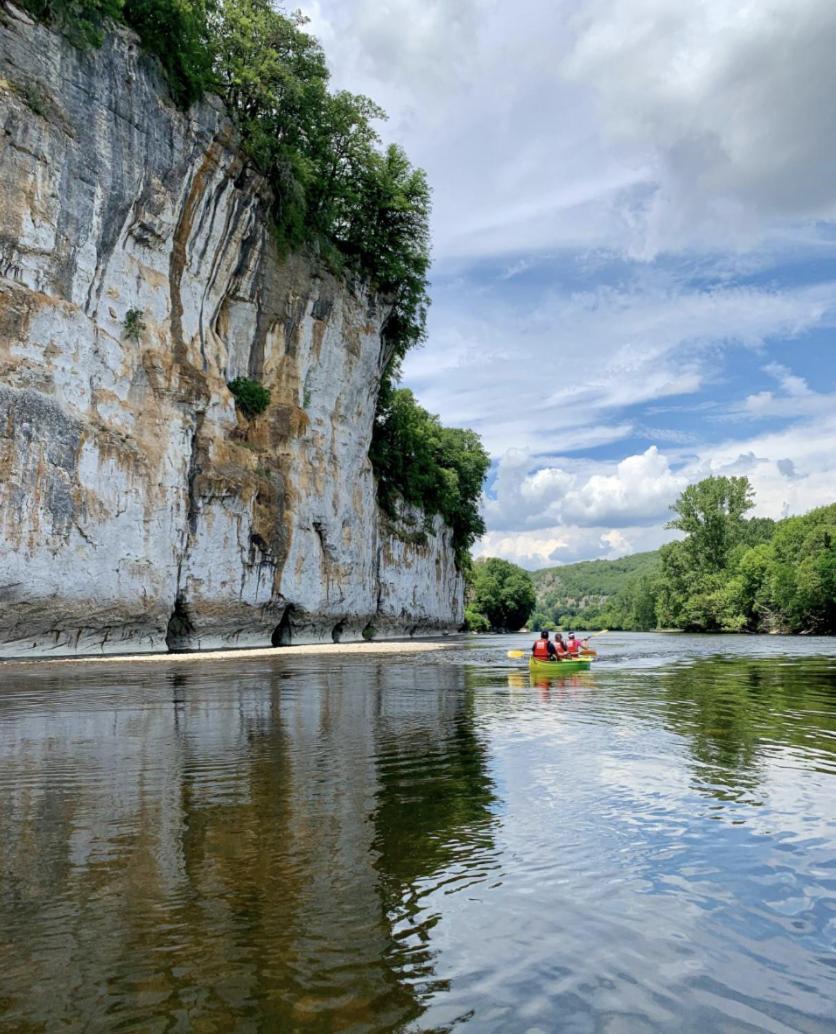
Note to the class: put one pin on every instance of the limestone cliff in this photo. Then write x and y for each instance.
(137, 506)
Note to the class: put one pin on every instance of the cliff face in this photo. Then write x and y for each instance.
(137, 507)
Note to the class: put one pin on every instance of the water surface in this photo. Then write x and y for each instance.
(304, 844)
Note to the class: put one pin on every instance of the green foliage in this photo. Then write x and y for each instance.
(440, 469)
(796, 587)
(82, 21)
(273, 78)
(134, 324)
(596, 594)
(699, 587)
(177, 33)
(710, 513)
(389, 234)
(632, 608)
(474, 621)
(34, 97)
(251, 397)
(729, 574)
(502, 593)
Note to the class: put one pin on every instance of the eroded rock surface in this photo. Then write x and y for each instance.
(137, 506)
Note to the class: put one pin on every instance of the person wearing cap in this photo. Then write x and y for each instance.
(575, 644)
(543, 648)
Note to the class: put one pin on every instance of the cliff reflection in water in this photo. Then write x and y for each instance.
(255, 852)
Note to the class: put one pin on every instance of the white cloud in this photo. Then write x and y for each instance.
(791, 384)
(636, 124)
(640, 491)
(562, 139)
(732, 103)
(797, 400)
(636, 491)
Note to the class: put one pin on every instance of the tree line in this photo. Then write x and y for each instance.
(730, 572)
(361, 208)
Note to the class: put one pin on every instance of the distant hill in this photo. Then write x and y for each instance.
(576, 593)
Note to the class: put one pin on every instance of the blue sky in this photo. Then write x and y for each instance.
(634, 248)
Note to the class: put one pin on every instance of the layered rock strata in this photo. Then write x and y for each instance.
(138, 276)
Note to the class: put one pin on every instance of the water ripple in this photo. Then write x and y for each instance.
(305, 845)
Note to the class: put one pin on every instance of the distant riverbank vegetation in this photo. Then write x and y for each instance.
(360, 207)
(500, 596)
(730, 573)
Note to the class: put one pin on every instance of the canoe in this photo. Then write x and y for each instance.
(557, 668)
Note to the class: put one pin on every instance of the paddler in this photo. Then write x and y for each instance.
(560, 648)
(574, 646)
(543, 648)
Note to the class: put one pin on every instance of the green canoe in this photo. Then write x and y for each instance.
(557, 668)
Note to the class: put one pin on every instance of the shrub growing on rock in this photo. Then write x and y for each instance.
(134, 325)
(251, 397)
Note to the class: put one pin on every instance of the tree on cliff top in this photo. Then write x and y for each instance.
(366, 210)
(440, 469)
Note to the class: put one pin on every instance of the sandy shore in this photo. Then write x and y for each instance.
(341, 649)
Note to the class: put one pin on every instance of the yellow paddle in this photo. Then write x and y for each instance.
(524, 653)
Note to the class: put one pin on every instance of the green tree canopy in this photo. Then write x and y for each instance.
(711, 515)
(796, 587)
(440, 469)
(502, 592)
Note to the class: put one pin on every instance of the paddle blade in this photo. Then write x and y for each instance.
(516, 653)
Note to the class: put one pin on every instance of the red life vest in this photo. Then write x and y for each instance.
(574, 646)
(541, 649)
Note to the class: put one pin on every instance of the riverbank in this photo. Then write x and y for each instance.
(333, 649)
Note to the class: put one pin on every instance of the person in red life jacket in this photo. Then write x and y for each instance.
(543, 648)
(560, 648)
(576, 645)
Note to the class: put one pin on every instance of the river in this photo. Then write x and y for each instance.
(310, 843)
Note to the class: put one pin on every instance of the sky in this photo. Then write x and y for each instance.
(634, 248)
